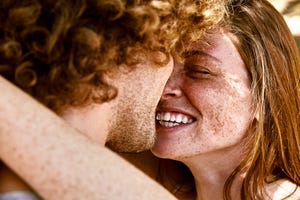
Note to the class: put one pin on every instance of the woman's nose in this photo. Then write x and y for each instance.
(173, 86)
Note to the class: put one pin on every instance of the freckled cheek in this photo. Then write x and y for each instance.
(204, 97)
(210, 105)
(234, 115)
(220, 108)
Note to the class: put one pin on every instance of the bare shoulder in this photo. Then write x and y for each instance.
(283, 189)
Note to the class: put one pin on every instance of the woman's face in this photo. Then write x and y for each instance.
(206, 105)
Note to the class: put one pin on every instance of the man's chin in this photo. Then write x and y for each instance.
(129, 147)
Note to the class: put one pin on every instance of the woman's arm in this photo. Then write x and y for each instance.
(59, 162)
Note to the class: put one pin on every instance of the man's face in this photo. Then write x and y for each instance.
(132, 128)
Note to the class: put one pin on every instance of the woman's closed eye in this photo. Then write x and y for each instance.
(196, 71)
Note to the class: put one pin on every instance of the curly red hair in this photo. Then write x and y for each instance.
(59, 51)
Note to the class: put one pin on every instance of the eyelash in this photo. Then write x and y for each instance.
(195, 73)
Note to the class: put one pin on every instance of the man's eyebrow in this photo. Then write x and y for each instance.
(190, 53)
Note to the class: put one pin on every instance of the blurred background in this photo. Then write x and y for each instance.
(290, 9)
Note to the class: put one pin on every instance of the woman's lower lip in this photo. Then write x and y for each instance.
(161, 129)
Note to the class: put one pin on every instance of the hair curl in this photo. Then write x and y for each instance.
(59, 50)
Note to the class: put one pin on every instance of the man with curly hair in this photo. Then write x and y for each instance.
(101, 66)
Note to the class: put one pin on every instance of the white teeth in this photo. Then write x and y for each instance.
(178, 118)
(157, 116)
(173, 118)
(168, 124)
(169, 119)
(185, 119)
(167, 116)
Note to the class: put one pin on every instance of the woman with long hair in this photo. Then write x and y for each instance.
(230, 110)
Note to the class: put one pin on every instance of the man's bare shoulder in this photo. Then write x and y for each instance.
(283, 189)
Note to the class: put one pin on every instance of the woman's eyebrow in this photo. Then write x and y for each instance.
(190, 53)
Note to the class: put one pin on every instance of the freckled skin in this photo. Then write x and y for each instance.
(213, 86)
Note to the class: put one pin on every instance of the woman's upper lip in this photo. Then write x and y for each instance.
(174, 109)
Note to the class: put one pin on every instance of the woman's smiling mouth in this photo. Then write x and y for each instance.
(172, 119)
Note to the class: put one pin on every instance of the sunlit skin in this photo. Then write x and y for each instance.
(212, 89)
(132, 127)
(209, 96)
(129, 118)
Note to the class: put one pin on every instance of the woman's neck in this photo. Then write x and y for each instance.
(211, 171)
